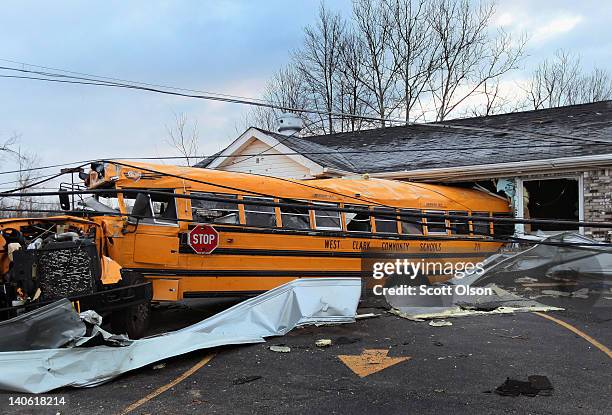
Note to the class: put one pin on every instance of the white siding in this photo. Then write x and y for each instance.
(272, 163)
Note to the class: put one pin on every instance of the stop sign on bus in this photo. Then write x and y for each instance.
(203, 239)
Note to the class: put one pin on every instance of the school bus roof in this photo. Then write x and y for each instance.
(128, 174)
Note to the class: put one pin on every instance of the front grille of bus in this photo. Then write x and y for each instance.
(67, 269)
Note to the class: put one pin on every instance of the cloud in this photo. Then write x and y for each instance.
(555, 27)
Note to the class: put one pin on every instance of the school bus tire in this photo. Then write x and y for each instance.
(133, 320)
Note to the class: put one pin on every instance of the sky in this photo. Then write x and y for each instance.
(230, 47)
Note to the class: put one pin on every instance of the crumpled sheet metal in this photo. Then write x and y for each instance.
(51, 326)
(585, 260)
(500, 302)
(299, 302)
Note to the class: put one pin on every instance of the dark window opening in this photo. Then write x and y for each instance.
(259, 215)
(411, 225)
(460, 226)
(436, 225)
(551, 199)
(502, 229)
(481, 228)
(209, 211)
(159, 209)
(386, 220)
(358, 221)
(295, 217)
(327, 219)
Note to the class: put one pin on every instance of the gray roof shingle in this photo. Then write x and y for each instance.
(514, 137)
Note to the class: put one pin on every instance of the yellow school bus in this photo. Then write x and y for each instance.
(273, 230)
(262, 246)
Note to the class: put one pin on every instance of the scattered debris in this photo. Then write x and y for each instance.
(365, 316)
(346, 340)
(501, 302)
(323, 343)
(245, 379)
(518, 336)
(526, 279)
(440, 323)
(581, 293)
(305, 301)
(280, 349)
(536, 385)
(549, 284)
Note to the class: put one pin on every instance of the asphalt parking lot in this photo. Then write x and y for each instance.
(451, 369)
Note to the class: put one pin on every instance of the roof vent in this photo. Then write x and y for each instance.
(289, 124)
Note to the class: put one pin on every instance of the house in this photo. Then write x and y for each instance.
(554, 163)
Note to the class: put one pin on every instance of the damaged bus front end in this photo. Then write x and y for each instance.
(46, 259)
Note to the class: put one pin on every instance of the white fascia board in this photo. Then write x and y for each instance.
(252, 134)
(500, 169)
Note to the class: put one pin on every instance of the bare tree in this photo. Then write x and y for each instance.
(352, 90)
(285, 90)
(394, 58)
(318, 63)
(415, 51)
(25, 178)
(469, 55)
(184, 139)
(560, 81)
(596, 86)
(380, 69)
(6, 147)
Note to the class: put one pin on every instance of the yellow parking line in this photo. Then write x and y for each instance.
(167, 386)
(573, 329)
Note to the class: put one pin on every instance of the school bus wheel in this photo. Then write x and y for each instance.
(132, 320)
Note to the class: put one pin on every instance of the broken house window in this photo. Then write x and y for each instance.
(259, 215)
(551, 199)
(209, 211)
(358, 221)
(386, 223)
(411, 225)
(328, 219)
(436, 225)
(295, 217)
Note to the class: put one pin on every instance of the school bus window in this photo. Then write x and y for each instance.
(295, 217)
(328, 220)
(158, 209)
(358, 221)
(259, 215)
(436, 225)
(502, 229)
(209, 211)
(481, 228)
(386, 220)
(411, 225)
(459, 226)
(100, 203)
(110, 201)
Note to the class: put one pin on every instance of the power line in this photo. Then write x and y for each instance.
(130, 81)
(249, 101)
